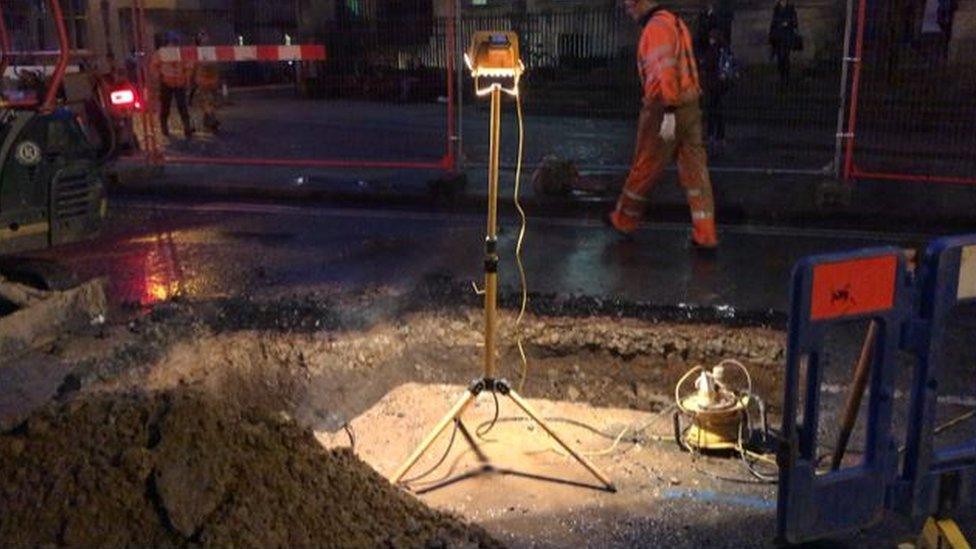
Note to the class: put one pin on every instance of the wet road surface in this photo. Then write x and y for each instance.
(153, 250)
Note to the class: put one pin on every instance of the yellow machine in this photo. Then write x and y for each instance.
(715, 413)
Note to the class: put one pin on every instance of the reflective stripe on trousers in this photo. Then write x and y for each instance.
(652, 154)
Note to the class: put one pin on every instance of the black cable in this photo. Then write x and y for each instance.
(567, 421)
(730, 479)
(745, 427)
(491, 425)
(440, 461)
(755, 472)
(575, 423)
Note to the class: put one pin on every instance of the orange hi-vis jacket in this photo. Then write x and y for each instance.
(174, 74)
(666, 61)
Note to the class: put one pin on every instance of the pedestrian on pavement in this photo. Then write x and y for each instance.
(410, 78)
(718, 73)
(206, 81)
(945, 15)
(669, 126)
(173, 75)
(707, 22)
(784, 38)
(711, 18)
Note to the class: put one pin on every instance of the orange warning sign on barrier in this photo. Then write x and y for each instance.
(853, 287)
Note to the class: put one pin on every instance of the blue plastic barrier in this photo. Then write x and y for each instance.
(829, 290)
(936, 481)
(913, 313)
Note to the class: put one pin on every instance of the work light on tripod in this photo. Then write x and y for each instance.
(494, 58)
(496, 67)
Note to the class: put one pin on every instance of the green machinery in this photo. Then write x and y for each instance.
(52, 187)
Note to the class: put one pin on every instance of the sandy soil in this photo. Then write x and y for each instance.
(534, 494)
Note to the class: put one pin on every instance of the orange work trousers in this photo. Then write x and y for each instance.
(653, 154)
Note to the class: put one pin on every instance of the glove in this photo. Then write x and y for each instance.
(668, 126)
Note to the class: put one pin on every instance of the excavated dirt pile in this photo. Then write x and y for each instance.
(177, 468)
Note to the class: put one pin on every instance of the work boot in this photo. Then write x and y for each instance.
(703, 235)
(613, 220)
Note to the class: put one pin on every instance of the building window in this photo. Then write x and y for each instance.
(76, 19)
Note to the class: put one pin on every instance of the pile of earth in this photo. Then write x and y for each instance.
(178, 468)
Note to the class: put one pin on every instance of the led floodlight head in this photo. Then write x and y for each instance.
(494, 56)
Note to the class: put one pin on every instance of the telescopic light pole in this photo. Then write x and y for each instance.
(493, 56)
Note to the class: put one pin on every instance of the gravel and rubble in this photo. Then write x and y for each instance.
(440, 311)
(142, 398)
(326, 377)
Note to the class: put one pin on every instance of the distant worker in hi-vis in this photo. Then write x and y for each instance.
(173, 76)
(670, 124)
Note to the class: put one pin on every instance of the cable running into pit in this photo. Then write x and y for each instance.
(524, 371)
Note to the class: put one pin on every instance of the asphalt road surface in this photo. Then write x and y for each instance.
(201, 250)
(152, 251)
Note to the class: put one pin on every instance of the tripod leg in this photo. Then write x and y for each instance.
(455, 412)
(521, 403)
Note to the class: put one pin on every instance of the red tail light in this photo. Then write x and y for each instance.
(125, 98)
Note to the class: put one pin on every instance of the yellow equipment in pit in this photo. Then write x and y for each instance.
(714, 412)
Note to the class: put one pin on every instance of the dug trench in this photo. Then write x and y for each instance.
(306, 366)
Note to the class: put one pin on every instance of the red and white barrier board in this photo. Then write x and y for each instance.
(234, 54)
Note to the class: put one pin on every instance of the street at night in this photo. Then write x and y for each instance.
(487, 273)
(278, 282)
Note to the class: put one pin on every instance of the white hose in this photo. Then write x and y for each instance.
(696, 369)
(681, 382)
(742, 367)
(524, 372)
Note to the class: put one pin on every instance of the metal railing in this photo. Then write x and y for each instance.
(909, 115)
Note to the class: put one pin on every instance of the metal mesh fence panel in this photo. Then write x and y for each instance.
(581, 95)
(914, 109)
(307, 87)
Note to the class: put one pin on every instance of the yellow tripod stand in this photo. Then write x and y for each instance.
(493, 55)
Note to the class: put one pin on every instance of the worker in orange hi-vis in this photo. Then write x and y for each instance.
(173, 77)
(670, 124)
